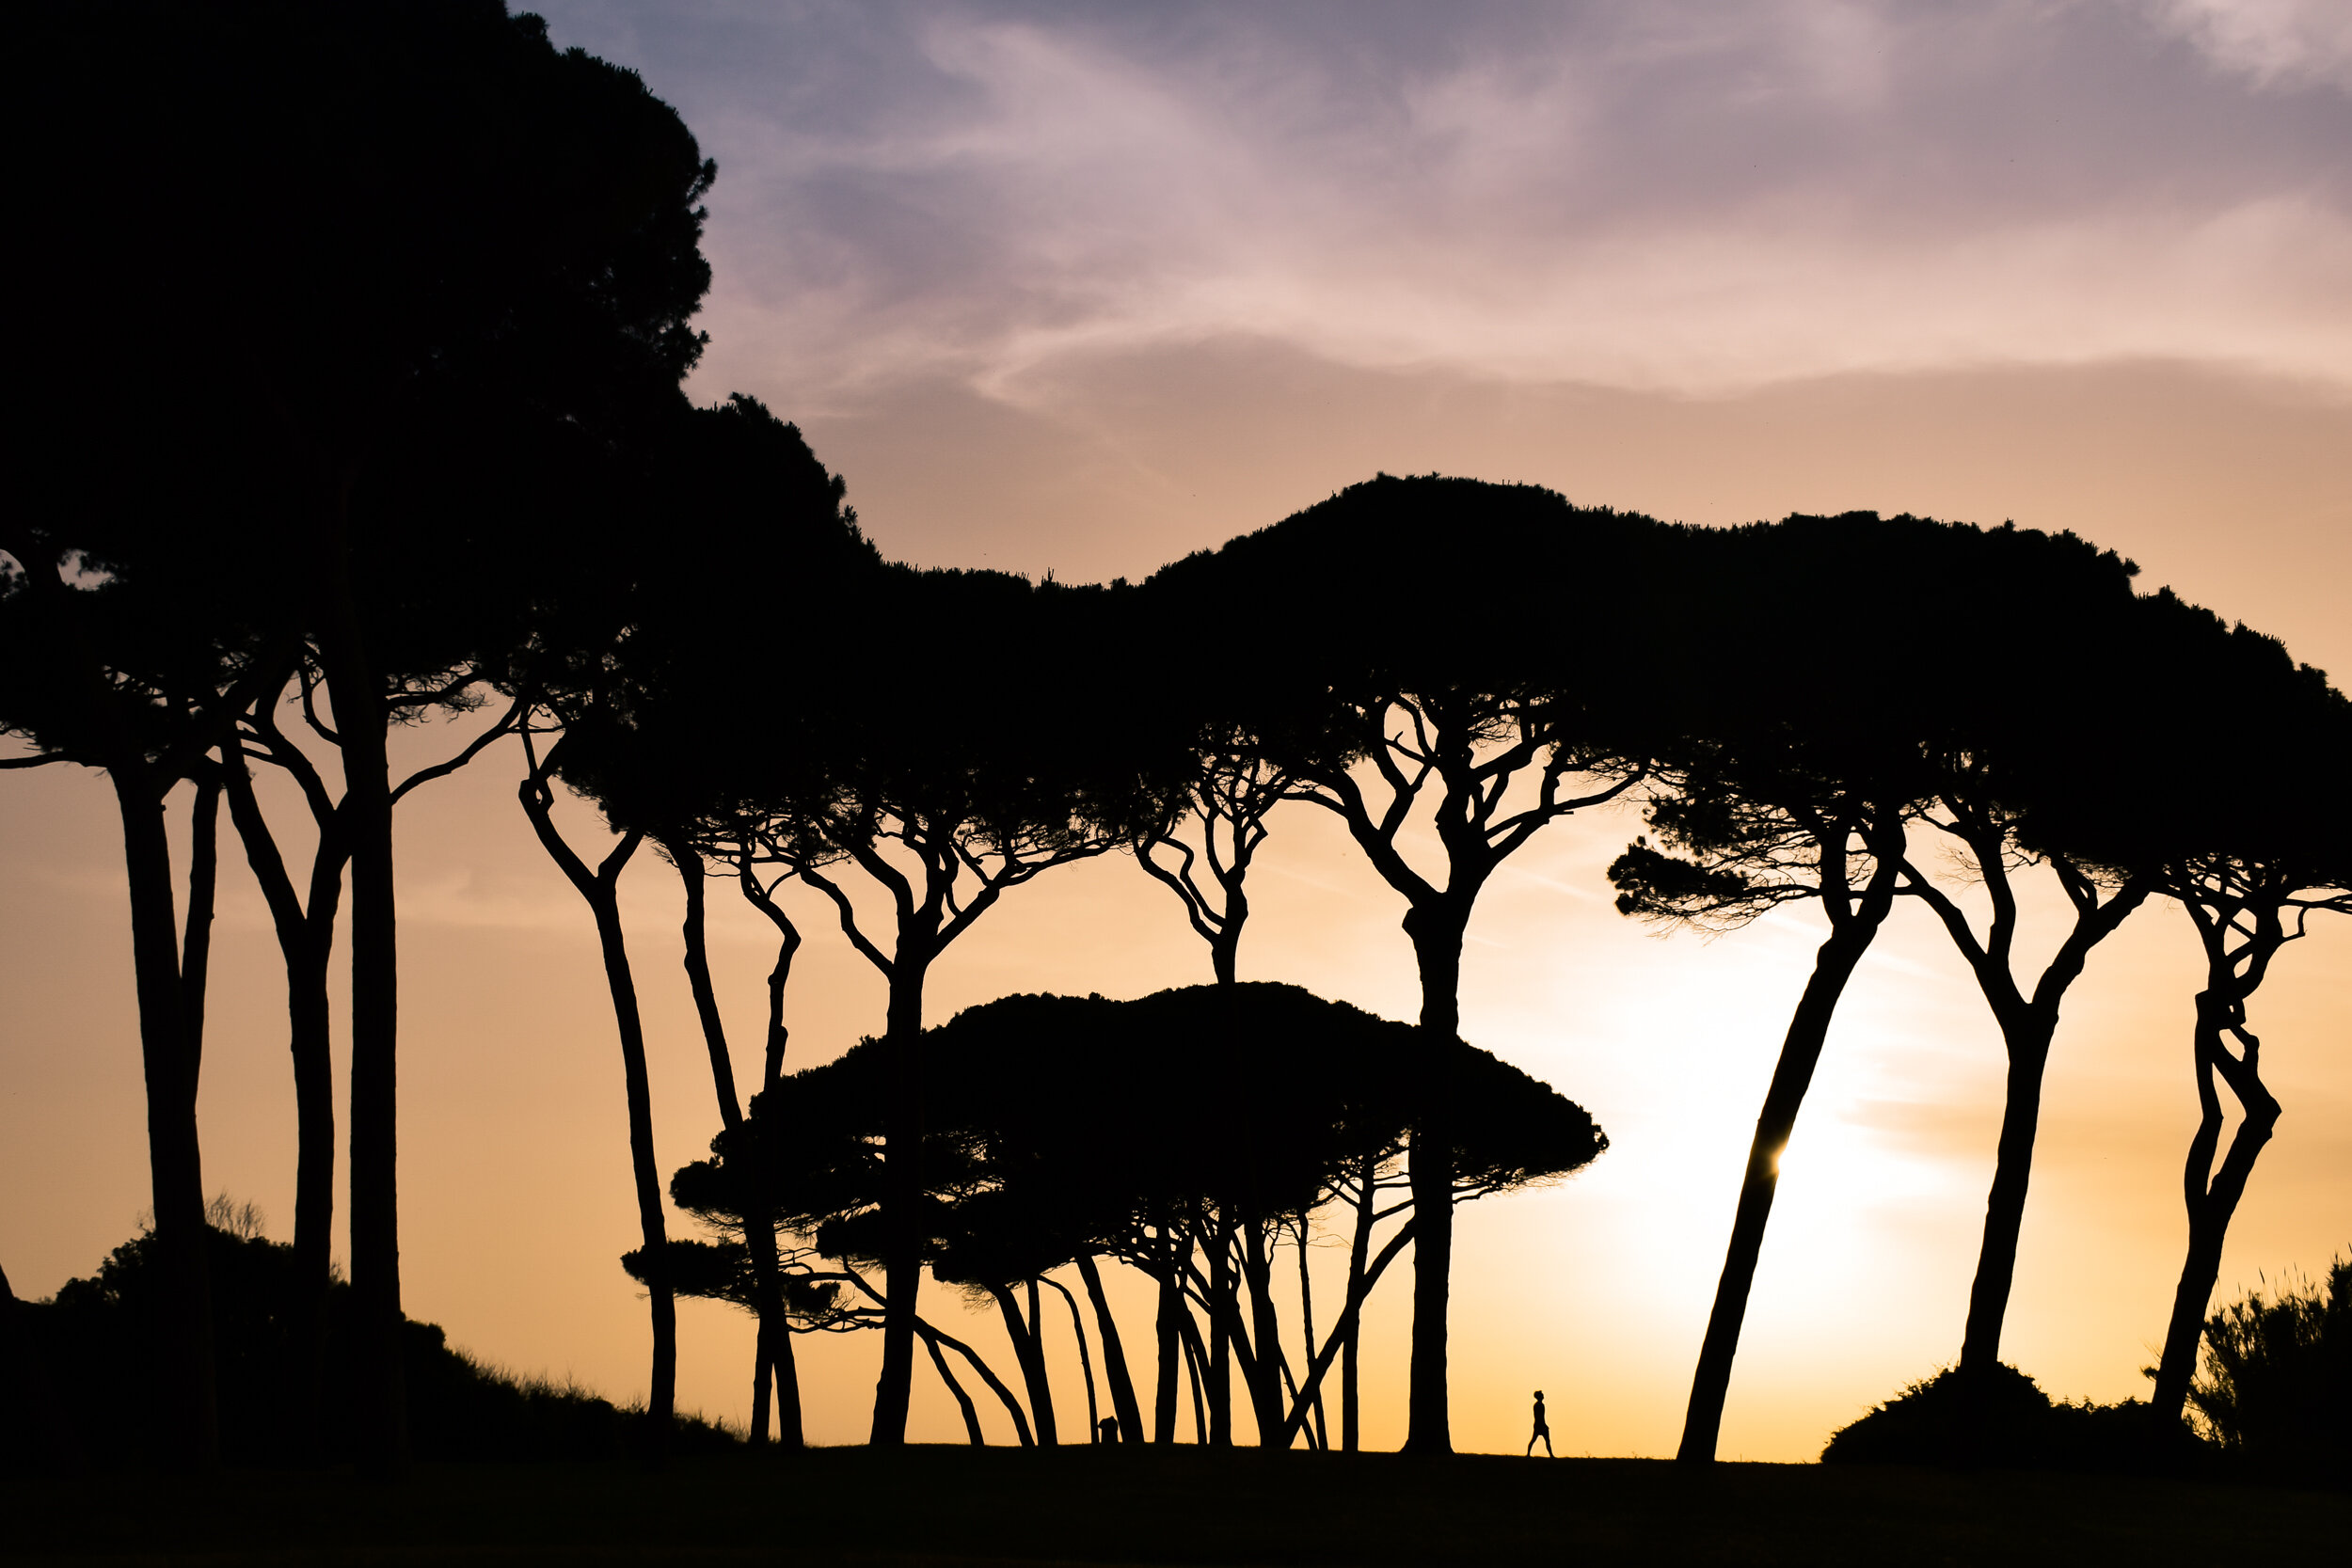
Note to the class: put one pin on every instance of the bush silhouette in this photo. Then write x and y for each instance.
(2277, 1378)
(97, 1339)
(2010, 1424)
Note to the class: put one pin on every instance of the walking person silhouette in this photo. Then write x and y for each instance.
(1543, 1429)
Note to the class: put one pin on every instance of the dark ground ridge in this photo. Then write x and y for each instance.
(956, 1505)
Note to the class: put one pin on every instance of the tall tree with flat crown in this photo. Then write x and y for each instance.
(1795, 753)
(646, 688)
(1412, 651)
(115, 656)
(2069, 639)
(2251, 849)
(963, 753)
(400, 246)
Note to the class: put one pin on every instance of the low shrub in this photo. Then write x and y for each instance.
(2275, 1386)
(2010, 1424)
(92, 1347)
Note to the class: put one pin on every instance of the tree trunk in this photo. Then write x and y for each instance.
(1168, 1337)
(175, 1163)
(902, 1195)
(1265, 1369)
(1028, 1354)
(306, 937)
(996, 1384)
(645, 1168)
(690, 870)
(790, 1425)
(1437, 934)
(759, 1231)
(601, 890)
(972, 1432)
(1319, 1364)
(355, 691)
(1800, 1052)
(1359, 1254)
(1115, 1372)
(195, 947)
(1085, 1360)
(771, 1067)
(1307, 1334)
(2211, 1202)
(1196, 1359)
(763, 1368)
(2027, 1027)
(1225, 951)
(310, 1045)
(2028, 1036)
(1220, 1337)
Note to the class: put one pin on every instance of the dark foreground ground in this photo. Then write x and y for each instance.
(853, 1506)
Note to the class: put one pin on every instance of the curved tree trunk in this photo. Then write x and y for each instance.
(963, 1401)
(1029, 1354)
(759, 1231)
(2212, 1198)
(1196, 1361)
(996, 1384)
(600, 888)
(306, 936)
(1305, 1398)
(1115, 1371)
(645, 1168)
(1800, 1053)
(1085, 1360)
(1266, 1403)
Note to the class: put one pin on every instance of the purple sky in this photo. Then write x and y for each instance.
(1661, 195)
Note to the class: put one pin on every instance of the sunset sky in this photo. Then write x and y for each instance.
(1081, 288)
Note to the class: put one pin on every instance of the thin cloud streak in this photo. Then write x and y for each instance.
(2275, 43)
(1672, 197)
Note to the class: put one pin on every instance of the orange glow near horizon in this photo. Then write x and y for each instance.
(516, 1187)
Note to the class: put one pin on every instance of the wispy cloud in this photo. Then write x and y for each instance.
(2276, 42)
(1665, 194)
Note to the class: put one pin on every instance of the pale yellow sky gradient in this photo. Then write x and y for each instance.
(514, 1176)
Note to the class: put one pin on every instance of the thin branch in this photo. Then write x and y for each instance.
(309, 706)
(506, 725)
(858, 939)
